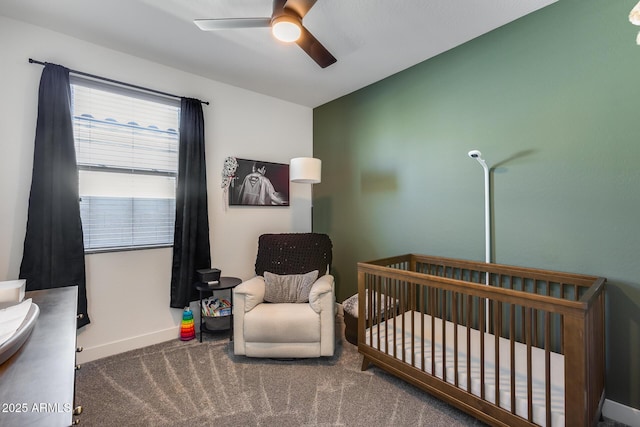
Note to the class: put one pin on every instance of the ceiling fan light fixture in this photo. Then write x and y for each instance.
(286, 28)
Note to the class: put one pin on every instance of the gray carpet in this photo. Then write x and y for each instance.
(204, 384)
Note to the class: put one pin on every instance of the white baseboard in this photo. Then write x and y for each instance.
(109, 349)
(621, 413)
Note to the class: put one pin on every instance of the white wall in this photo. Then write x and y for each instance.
(128, 292)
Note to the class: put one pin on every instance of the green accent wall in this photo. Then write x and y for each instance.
(553, 102)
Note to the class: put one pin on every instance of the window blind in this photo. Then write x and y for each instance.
(127, 154)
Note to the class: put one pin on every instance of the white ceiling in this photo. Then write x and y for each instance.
(371, 39)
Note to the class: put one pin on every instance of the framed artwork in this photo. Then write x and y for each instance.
(257, 183)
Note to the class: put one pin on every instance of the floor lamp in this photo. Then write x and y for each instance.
(306, 170)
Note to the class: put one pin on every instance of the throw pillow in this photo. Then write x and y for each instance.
(288, 288)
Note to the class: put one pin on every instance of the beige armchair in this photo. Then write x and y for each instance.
(285, 267)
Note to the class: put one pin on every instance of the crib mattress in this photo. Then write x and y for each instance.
(381, 337)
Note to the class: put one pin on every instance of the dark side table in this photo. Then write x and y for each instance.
(204, 289)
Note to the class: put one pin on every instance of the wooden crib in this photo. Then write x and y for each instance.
(526, 350)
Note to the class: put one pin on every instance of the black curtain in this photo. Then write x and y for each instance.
(191, 249)
(53, 247)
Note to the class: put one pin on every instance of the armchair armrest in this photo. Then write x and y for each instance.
(251, 292)
(322, 291)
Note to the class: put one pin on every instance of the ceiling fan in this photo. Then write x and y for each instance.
(286, 25)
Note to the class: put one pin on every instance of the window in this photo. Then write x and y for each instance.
(127, 152)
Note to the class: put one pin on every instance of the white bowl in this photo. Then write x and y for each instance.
(13, 344)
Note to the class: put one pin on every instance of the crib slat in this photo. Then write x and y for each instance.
(395, 326)
(522, 312)
(469, 301)
(561, 334)
(547, 365)
(454, 314)
(548, 288)
(527, 326)
(403, 321)
(422, 294)
(376, 311)
(444, 334)
(497, 327)
(512, 361)
(482, 331)
(433, 329)
(372, 308)
(369, 314)
(512, 344)
(398, 291)
(412, 298)
(535, 317)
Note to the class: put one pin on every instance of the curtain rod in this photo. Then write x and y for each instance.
(93, 76)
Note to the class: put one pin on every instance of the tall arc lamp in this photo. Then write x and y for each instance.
(306, 170)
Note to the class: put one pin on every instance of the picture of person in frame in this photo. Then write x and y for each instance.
(257, 189)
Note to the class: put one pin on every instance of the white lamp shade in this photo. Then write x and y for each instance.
(306, 170)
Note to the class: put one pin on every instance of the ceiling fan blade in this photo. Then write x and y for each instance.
(278, 7)
(226, 23)
(301, 7)
(315, 49)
